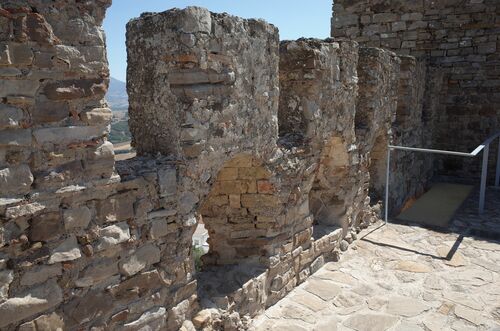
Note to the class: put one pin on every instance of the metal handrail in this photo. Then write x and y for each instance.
(484, 147)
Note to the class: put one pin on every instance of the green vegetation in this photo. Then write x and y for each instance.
(120, 132)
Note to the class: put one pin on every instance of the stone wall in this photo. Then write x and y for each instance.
(459, 39)
(318, 89)
(261, 141)
(80, 246)
(213, 83)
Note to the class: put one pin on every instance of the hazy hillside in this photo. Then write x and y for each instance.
(118, 101)
(117, 95)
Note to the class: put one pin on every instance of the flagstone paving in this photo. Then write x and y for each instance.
(400, 278)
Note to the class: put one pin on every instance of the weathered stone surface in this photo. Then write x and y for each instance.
(35, 301)
(97, 273)
(20, 138)
(412, 266)
(52, 322)
(159, 228)
(113, 235)
(68, 250)
(75, 218)
(116, 208)
(68, 135)
(407, 307)
(323, 289)
(46, 227)
(137, 285)
(25, 88)
(371, 322)
(47, 112)
(10, 117)
(143, 257)
(75, 89)
(40, 274)
(167, 179)
(15, 180)
(97, 116)
(452, 35)
(154, 319)
(6, 277)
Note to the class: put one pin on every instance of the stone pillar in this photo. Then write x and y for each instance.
(317, 106)
(53, 147)
(201, 84)
(376, 107)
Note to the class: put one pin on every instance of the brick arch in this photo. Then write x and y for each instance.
(240, 211)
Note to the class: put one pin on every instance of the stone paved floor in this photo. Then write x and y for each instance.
(398, 277)
(468, 222)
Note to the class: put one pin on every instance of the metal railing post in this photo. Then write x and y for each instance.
(484, 176)
(497, 176)
(388, 170)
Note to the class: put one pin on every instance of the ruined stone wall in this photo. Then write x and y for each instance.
(458, 38)
(318, 88)
(376, 107)
(389, 110)
(411, 173)
(212, 84)
(80, 246)
(87, 243)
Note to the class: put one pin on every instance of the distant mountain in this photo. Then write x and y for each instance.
(117, 95)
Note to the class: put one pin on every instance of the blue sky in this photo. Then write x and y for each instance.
(294, 18)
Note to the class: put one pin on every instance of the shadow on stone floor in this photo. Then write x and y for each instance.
(468, 222)
(448, 257)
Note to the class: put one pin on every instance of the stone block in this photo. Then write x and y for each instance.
(195, 19)
(52, 322)
(21, 54)
(137, 285)
(227, 174)
(265, 187)
(97, 272)
(398, 26)
(167, 179)
(159, 228)
(15, 180)
(6, 277)
(29, 303)
(68, 250)
(154, 319)
(385, 17)
(113, 235)
(75, 89)
(240, 161)
(76, 218)
(487, 48)
(10, 117)
(21, 138)
(39, 30)
(234, 201)
(46, 227)
(116, 208)
(49, 111)
(142, 258)
(259, 200)
(18, 87)
(70, 134)
(86, 308)
(97, 116)
(231, 187)
(40, 274)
